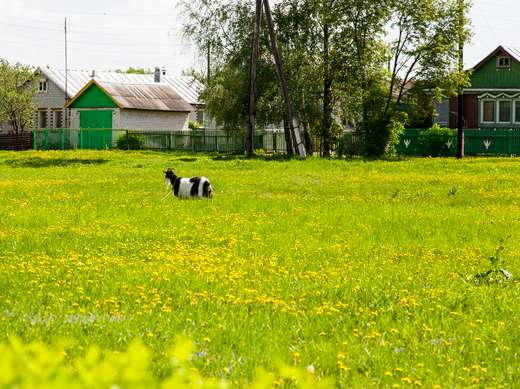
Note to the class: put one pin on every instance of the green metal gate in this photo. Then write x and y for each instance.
(96, 129)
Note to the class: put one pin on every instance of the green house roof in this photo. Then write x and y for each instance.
(92, 96)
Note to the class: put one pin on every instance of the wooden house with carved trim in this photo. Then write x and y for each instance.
(493, 98)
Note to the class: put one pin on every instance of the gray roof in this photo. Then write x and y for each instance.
(186, 87)
(155, 97)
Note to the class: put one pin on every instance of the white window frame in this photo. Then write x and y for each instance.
(510, 112)
(482, 110)
(508, 66)
(516, 101)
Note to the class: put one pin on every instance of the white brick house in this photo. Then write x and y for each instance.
(50, 99)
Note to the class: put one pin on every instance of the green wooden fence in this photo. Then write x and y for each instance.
(413, 142)
(476, 142)
(196, 141)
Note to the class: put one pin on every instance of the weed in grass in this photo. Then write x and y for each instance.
(452, 191)
(496, 274)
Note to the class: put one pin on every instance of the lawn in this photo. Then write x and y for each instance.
(359, 271)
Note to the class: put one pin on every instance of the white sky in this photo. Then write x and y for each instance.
(115, 34)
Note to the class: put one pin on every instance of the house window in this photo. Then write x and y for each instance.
(58, 119)
(43, 86)
(504, 111)
(503, 62)
(42, 118)
(488, 111)
(517, 111)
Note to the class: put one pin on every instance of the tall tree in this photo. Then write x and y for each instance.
(17, 86)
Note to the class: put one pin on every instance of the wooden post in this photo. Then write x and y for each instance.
(460, 97)
(255, 48)
(295, 135)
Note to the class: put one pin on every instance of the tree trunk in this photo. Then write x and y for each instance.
(299, 147)
(327, 95)
(251, 124)
(307, 138)
(289, 149)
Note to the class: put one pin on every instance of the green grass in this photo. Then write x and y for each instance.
(353, 267)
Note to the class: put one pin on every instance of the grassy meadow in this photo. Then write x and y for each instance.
(358, 272)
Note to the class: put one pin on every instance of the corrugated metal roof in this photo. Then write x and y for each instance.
(186, 87)
(513, 51)
(155, 97)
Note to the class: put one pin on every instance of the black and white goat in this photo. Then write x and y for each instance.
(185, 188)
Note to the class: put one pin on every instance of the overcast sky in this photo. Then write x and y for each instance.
(115, 34)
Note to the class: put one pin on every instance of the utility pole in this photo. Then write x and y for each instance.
(208, 63)
(460, 96)
(289, 114)
(251, 122)
(66, 120)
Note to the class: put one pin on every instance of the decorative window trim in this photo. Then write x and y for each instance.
(482, 101)
(507, 62)
(500, 101)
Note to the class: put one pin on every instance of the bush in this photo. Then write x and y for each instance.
(129, 141)
(437, 141)
(192, 125)
(39, 365)
(381, 135)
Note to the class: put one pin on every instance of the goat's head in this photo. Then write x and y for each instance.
(169, 174)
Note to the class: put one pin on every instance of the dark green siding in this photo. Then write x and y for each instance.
(488, 76)
(95, 119)
(93, 97)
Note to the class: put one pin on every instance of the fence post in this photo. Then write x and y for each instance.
(127, 141)
(274, 142)
(216, 143)
(62, 139)
(45, 139)
(509, 141)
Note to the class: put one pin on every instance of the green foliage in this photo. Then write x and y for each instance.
(130, 141)
(340, 65)
(380, 129)
(46, 366)
(438, 141)
(17, 85)
(132, 70)
(193, 125)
